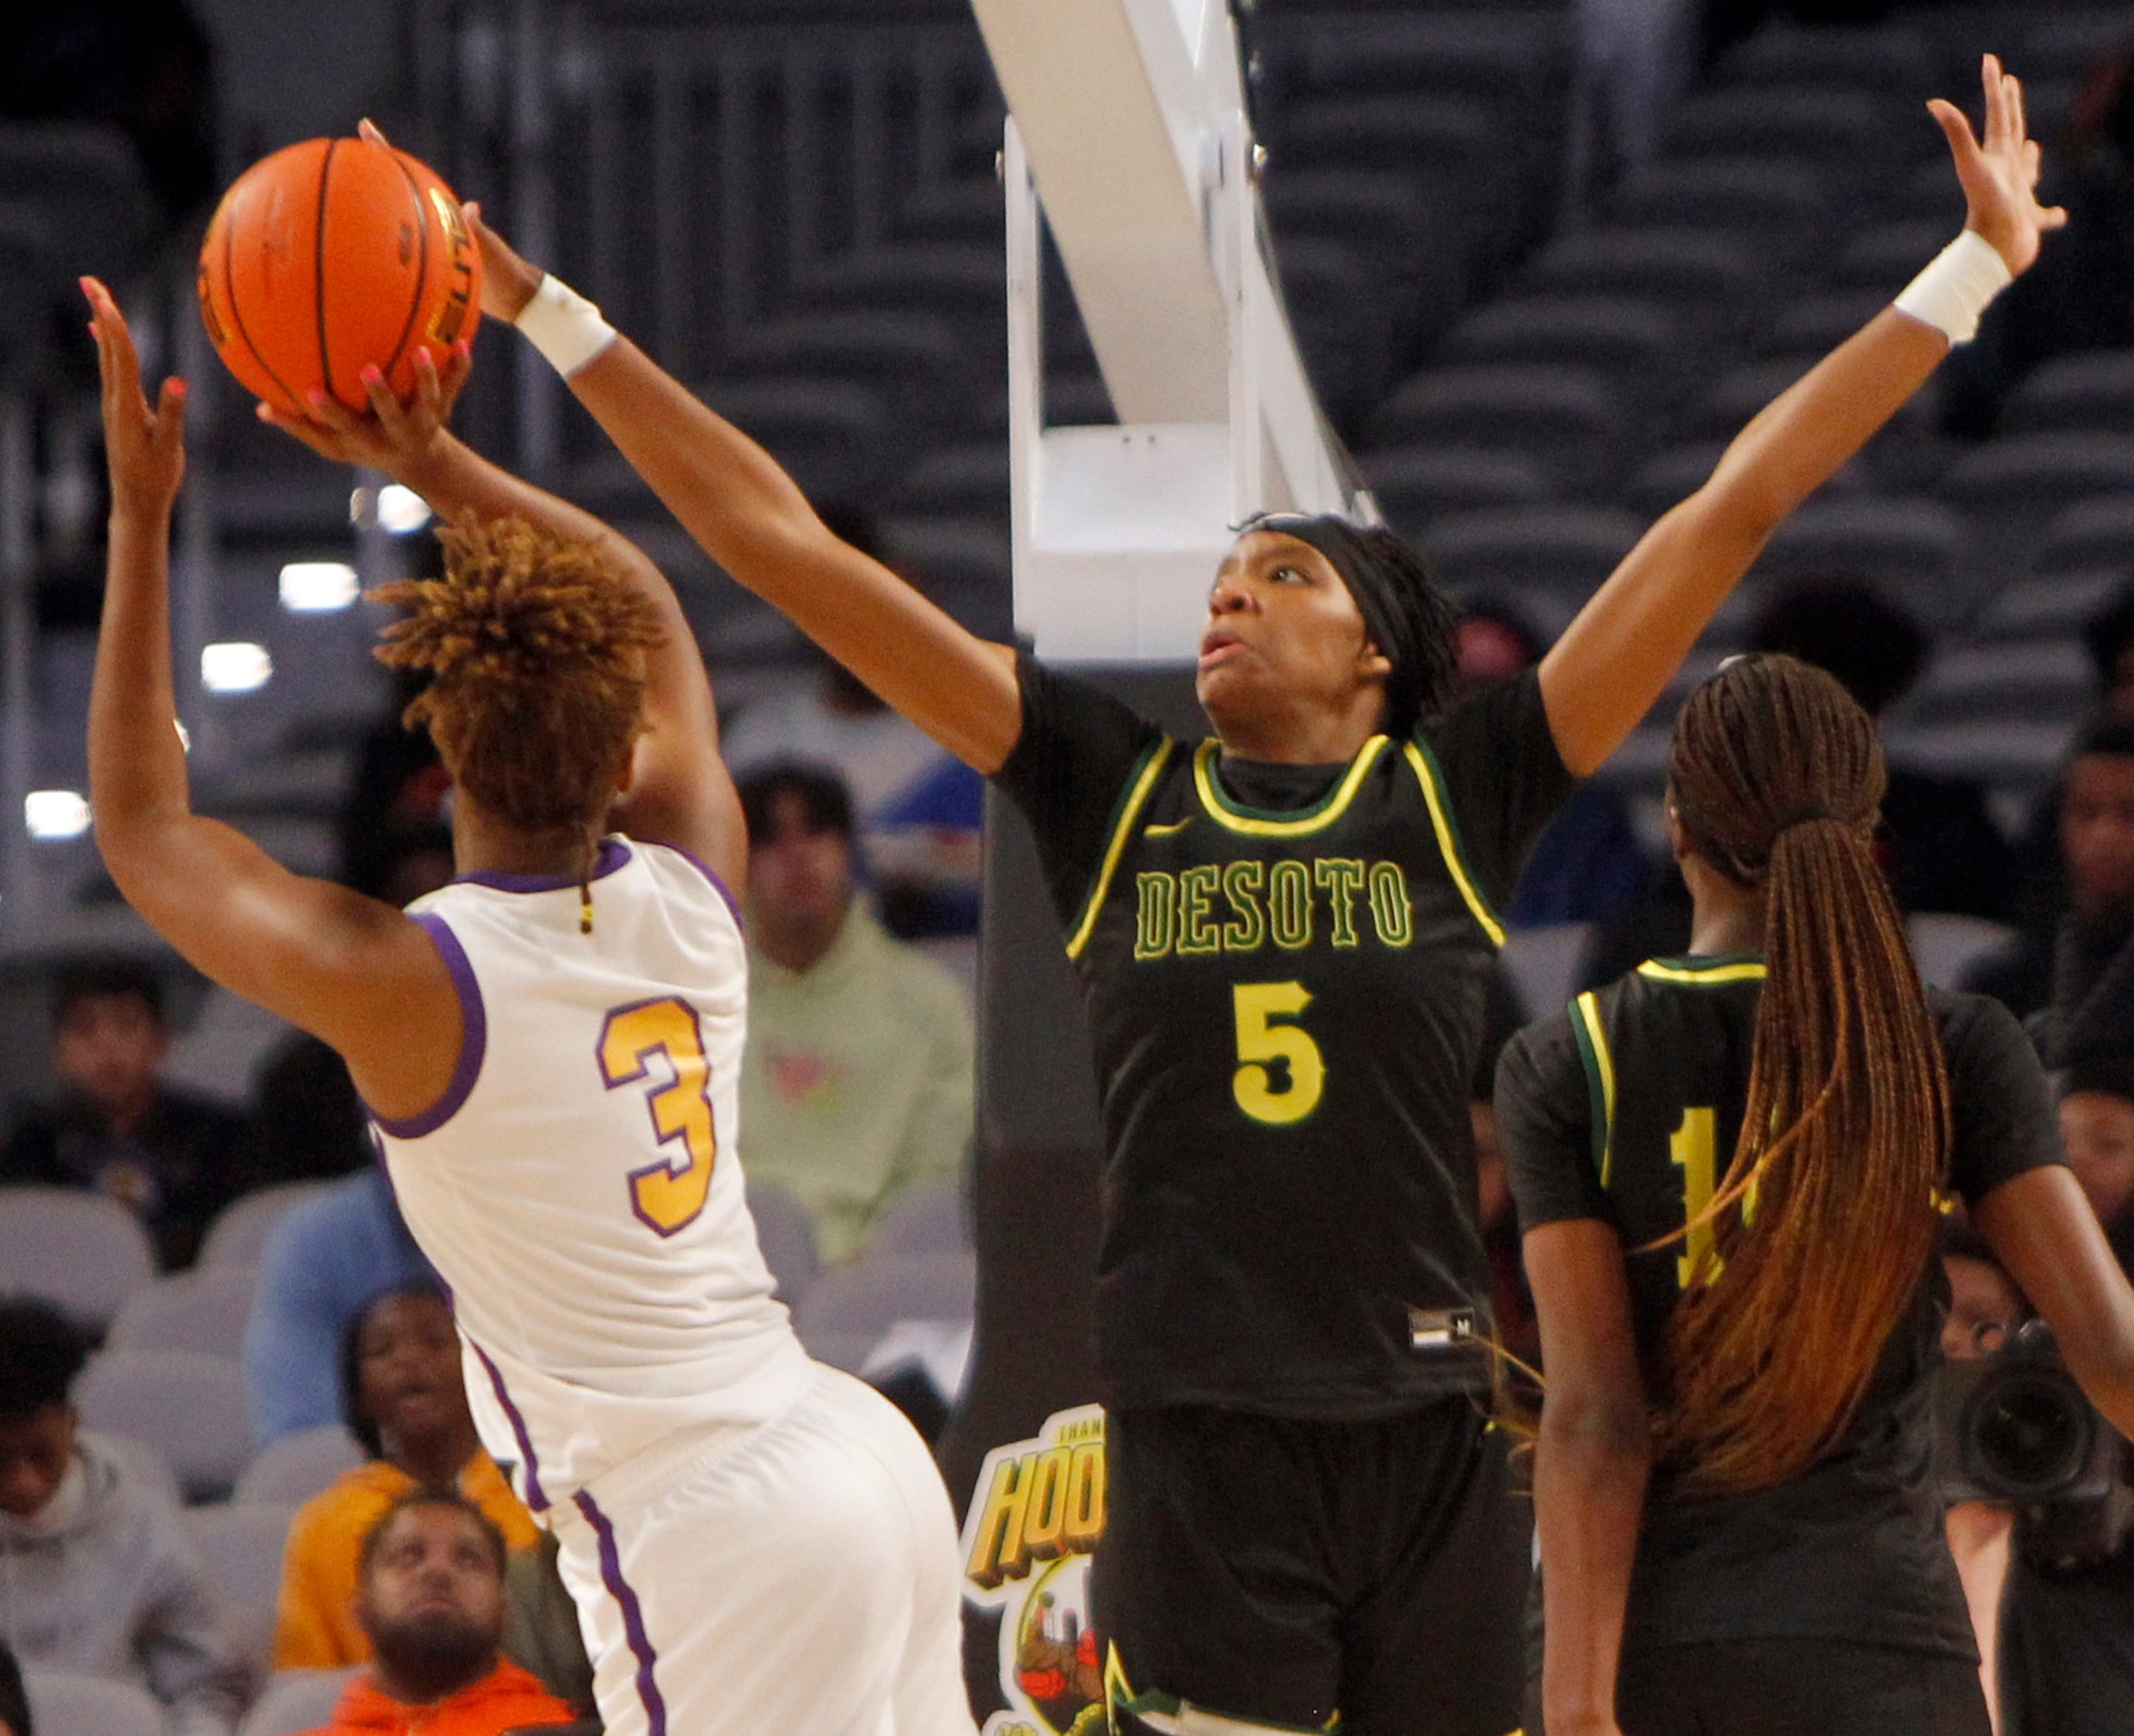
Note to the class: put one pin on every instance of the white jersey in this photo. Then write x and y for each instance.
(578, 1186)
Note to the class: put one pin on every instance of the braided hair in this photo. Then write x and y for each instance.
(535, 646)
(1826, 1215)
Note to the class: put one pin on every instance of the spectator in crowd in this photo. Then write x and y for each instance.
(920, 809)
(408, 1404)
(431, 1600)
(2079, 965)
(857, 1081)
(1587, 864)
(2097, 1129)
(2076, 297)
(97, 1575)
(171, 1158)
(322, 1266)
(2041, 881)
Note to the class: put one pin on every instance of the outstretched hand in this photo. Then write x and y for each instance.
(2000, 172)
(508, 281)
(392, 437)
(144, 447)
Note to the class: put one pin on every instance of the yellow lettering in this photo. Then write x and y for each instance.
(1392, 914)
(1154, 914)
(1045, 1518)
(1256, 1007)
(1342, 878)
(1085, 1495)
(1247, 928)
(999, 1550)
(1197, 930)
(1289, 904)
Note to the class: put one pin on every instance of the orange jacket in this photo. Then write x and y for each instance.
(506, 1699)
(315, 1618)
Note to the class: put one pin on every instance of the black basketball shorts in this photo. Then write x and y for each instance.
(1281, 1573)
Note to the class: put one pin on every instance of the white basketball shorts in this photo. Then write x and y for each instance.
(797, 1576)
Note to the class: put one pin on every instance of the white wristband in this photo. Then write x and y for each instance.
(1957, 287)
(564, 326)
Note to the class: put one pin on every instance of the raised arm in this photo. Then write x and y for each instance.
(349, 968)
(1615, 659)
(1591, 1467)
(680, 792)
(2042, 1229)
(753, 519)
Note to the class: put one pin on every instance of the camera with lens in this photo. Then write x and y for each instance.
(2014, 1428)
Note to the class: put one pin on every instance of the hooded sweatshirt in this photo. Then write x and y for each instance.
(103, 1582)
(506, 1699)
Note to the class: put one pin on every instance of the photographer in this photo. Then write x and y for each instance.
(2067, 1666)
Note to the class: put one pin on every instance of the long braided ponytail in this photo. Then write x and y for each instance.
(1825, 1217)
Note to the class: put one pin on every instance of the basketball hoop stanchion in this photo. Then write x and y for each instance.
(1151, 197)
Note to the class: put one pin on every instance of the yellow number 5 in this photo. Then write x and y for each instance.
(1260, 1040)
(668, 1195)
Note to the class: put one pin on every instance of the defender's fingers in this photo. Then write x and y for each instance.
(369, 129)
(328, 411)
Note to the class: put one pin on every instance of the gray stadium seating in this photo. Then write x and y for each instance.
(66, 1705)
(81, 1252)
(190, 1405)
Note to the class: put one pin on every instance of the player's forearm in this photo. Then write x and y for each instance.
(1616, 658)
(1805, 435)
(137, 778)
(1590, 1468)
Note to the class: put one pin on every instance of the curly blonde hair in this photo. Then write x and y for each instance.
(534, 645)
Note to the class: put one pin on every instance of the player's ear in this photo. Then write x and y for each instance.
(1372, 664)
(1678, 844)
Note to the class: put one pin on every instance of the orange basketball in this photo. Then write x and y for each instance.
(331, 256)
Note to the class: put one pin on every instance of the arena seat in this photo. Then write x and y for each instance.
(932, 1218)
(1808, 123)
(1816, 324)
(62, 1703)
(1887, 256)
(1642, 345)
(2047, 607)
(243, 1546)
(240, 1231)
(1870, 59)
(1570, 421)
(192, 1406)
(1712, 280)
(2048, 678)
(2015, 483)
(2092, 533)
(1415, 486)
(968, 479)
(204, 1309)
(81, 1251)
(862, 1301)
(1945, 946)
(786, 1236)
(2092, 389)
(293, 1469)
(1913, 543)
(1561, 551)
(1543, 965)
(1781, 206)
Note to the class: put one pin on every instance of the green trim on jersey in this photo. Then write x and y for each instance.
(1425, 764)
(1706, 972)
(1272, 823)
(1139, 782)
(1599, 1065)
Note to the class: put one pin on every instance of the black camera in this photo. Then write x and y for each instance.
(2014, 1428)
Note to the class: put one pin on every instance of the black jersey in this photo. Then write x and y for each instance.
(1285, 970)
(1626, 1108)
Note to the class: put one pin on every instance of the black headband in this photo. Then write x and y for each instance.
(1404, 615)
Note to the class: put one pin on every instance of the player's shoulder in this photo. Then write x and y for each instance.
(1976, 1028)
(682, 873)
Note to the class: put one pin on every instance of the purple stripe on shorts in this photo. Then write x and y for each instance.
(614, 852)
(632, 1615)
(718, 886)
(535, 1498)
(473, 1038)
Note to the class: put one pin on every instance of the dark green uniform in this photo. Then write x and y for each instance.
(1286, 972)
(1626, 1108)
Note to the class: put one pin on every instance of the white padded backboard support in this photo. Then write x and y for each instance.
(1152, 200)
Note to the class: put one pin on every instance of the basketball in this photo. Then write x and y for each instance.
(331, 256)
